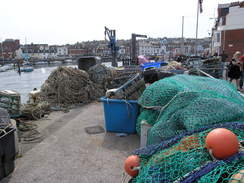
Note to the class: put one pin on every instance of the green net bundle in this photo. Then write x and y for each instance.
(185, 158)
(182, 110)
(182, 102)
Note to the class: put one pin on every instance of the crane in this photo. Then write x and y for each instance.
(112, 45)
(133, 47)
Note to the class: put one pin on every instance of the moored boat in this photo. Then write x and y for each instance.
(6, 68)
(26, 69)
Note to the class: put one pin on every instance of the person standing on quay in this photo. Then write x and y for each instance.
(242, 71)
(234, 72)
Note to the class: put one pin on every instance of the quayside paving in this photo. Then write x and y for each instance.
(68, 154)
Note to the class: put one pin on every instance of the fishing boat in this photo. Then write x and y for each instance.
(6, 68)
(41, 63)
(68, 61)
(26, 68)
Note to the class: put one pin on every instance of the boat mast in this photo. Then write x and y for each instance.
(2, 50)
(26, 57)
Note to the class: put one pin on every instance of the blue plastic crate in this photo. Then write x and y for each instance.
(120, 115)
(152, 65)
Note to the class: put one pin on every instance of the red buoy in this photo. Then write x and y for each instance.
(132, 162)
(222, 142)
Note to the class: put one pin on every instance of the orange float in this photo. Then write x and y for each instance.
(132, 162)
(222, 142)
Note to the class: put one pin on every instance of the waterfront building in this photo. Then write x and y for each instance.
(8, 48)
(102, 50)
(62, 51)
(228, 32)
(52, 52)
(151, 48)
(76, 52)
(38, 51)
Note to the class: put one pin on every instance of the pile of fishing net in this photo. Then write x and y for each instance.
(180, 103)
(110, 78)
(67, 86)
(182, 109)
(100, 74)
(185, 159)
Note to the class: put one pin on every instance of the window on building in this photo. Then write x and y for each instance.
(218, 37)
(224, 20)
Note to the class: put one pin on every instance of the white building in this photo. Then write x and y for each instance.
(228, 33)
(37, 51)
(62, 51)
(151, 48)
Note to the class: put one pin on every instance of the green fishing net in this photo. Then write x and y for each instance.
(186, 159)
(182, 110)
(182, 102)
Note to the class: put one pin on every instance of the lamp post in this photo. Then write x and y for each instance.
(2, 50)
(198, 10)
(212, 35)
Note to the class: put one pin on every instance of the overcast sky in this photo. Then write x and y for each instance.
(69, 21)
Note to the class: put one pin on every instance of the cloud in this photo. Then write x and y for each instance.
(69, 21)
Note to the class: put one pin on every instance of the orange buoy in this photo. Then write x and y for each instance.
(222, 142)
(132, 162)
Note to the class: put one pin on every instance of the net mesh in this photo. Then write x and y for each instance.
(180, 103)
(182, 110)
(185, 159)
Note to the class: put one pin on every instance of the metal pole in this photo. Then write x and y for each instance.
(133, 49)
(206, 74)
(198, 8)
(1, 50)
(115, 50)
(211, 49)
(182, 46)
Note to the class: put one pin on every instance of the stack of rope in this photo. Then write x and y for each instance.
(28, 132)
(35, 110)
(173, 65)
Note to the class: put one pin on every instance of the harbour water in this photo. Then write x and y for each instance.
(27, 81)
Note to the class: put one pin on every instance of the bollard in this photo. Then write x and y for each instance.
(144, 130)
